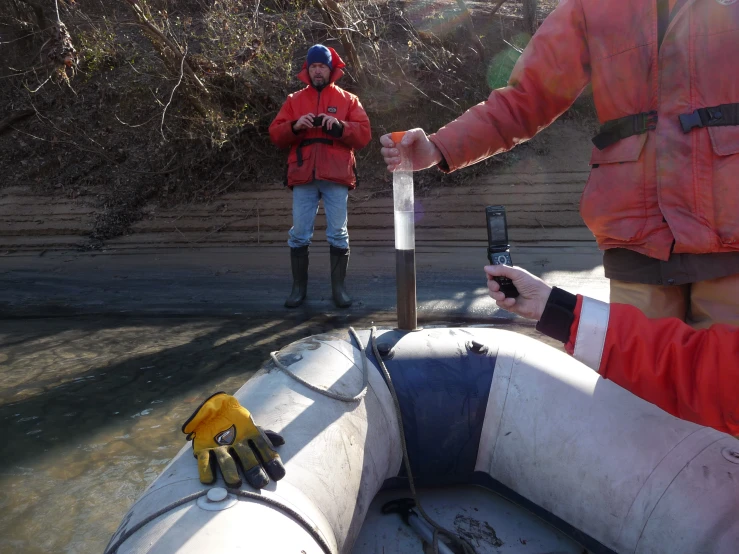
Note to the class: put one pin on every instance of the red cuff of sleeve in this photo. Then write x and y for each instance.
(570, 346)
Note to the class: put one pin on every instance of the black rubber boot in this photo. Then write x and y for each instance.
(299, 261)
(339, 262)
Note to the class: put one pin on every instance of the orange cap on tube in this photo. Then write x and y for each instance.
(397, 136)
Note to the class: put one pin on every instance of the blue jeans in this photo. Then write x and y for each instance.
(305, 208)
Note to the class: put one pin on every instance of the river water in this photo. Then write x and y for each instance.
(92, 410)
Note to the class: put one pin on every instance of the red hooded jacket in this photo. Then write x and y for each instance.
(649, 191)
(331, 162)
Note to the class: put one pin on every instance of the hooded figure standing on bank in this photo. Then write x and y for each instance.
(322, 125)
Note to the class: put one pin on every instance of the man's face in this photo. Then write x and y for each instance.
(319, 74)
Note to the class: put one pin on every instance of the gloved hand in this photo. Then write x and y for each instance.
(223, 430)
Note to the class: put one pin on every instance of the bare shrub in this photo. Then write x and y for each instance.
(171, 99)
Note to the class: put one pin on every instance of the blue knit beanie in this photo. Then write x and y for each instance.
(319, 54)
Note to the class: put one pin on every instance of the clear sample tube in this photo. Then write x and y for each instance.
(405, 239)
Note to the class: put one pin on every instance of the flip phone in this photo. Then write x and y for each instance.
(498, 247)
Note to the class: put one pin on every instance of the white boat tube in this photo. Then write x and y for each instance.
(337, 456)
(479, 405)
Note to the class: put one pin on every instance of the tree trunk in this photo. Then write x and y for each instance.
(334, 17)
(529, 15)
(467, 20)
(497, 7)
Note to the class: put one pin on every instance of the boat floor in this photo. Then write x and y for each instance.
(490, 522)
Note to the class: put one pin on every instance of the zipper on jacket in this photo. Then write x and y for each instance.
(315, 158)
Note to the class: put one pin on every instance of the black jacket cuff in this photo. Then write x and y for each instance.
(336, 131)
(558, 315)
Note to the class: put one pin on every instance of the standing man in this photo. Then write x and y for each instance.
(322, 125)
(663, 195)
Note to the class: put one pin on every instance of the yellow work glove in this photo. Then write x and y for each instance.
(223, 431)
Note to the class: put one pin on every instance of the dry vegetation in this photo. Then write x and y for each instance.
(169, 100)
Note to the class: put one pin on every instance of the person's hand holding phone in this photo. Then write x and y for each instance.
(498, 247)
(533, 293)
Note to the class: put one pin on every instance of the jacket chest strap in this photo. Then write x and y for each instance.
(308, 142)
(618, 129)
(716, 116)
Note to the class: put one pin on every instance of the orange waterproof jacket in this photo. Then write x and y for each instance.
(319, 160)
(690, 373)
(648, 190)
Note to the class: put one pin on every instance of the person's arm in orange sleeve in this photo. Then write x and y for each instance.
(551, 73)
(548, 77)
(281, 131)
(689, 373)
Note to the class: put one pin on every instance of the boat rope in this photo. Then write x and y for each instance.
(124, 537)
(463, 543)
(312, 529)
(466, 547)
(314, 532)
(325, 392)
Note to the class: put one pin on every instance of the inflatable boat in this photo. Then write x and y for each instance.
(513, 445)
(490, 439)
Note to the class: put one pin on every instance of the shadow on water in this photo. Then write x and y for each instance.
(92, 410)
(98, 371)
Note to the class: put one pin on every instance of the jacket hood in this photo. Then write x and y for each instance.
(337, 64)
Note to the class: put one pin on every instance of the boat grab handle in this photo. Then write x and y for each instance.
(325, 392)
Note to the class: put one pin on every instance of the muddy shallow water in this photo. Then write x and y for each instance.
(92, 410)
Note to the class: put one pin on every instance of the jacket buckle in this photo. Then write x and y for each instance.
(647, 122)
(689, 121)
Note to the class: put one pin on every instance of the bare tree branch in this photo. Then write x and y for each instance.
(497, 7)
(334, 17)
(20, 38)
(164, 111)
(158, 36)
(38, 88)
(529, 15)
